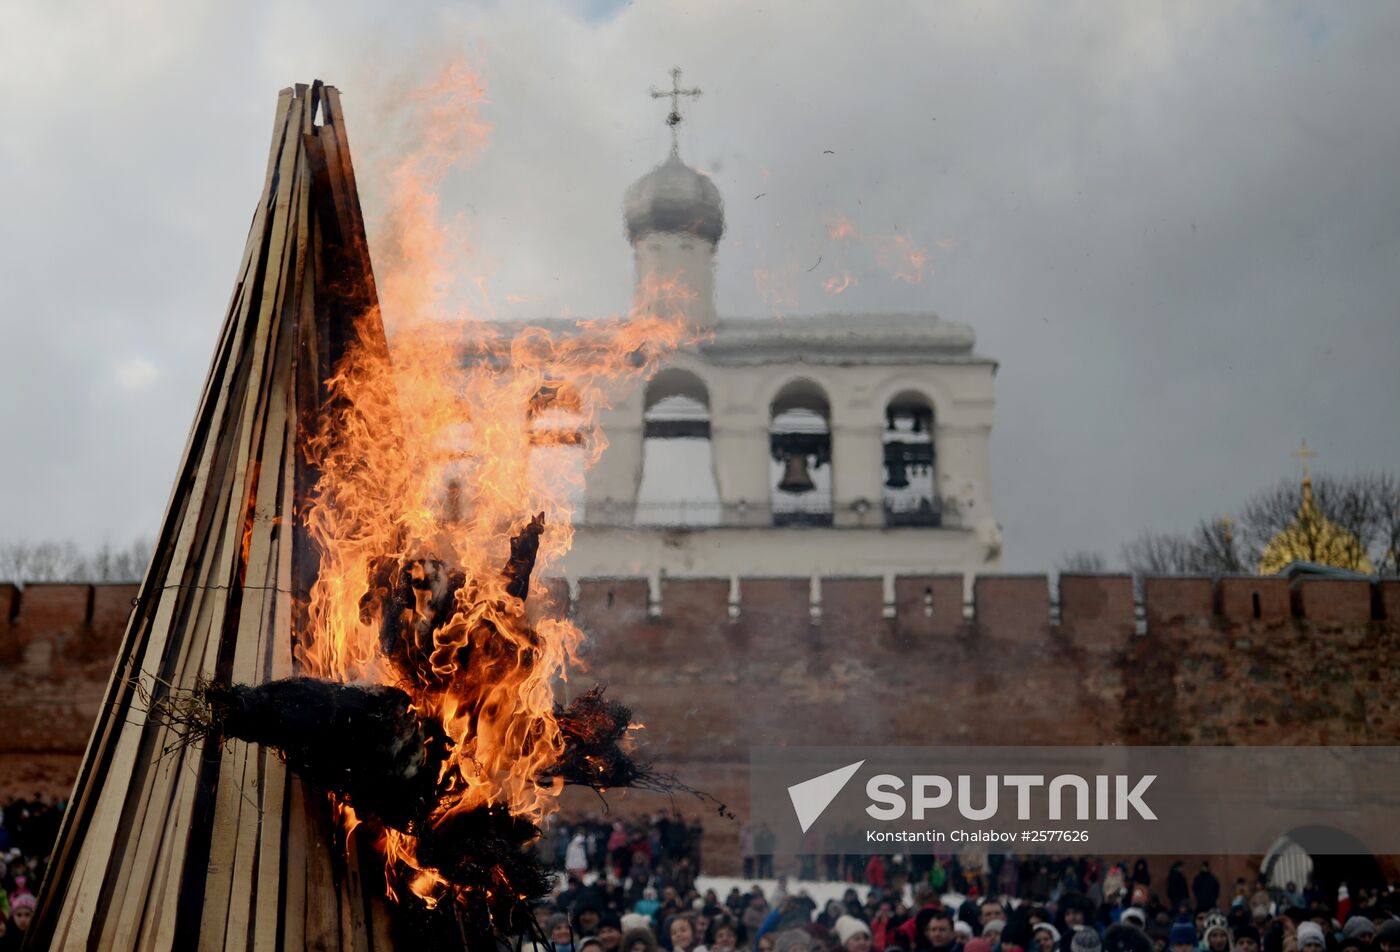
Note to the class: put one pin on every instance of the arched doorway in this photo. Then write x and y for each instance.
(1325, 854)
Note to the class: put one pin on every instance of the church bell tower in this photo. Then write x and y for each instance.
(675, 217)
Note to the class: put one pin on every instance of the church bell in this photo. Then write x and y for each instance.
(896, 465)
(898, 477)
(796, 479)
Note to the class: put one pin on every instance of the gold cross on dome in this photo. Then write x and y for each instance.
(1305, 454)
(673, 119)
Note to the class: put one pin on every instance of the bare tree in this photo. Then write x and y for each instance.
(1082, 561)
(23, 561)
(1365, 505)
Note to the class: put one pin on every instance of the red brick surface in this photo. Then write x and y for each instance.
(708, 686)
(1334, 601)
(929, 606)
(1178, 603)
(1236, 596)
(1097, 611)
(1012, 607)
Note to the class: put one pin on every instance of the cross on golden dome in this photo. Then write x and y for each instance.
(1311, 536)
(1305, 454)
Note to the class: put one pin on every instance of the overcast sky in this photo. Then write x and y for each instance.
(1176, 226)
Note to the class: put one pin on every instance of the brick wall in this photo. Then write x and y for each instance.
(1236, 660)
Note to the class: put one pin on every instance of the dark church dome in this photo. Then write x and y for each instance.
(674, 198)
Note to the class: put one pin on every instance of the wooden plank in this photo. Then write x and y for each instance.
(277, 658)
(322, 900)
(253, 648)
(230, 801)
(206, 588)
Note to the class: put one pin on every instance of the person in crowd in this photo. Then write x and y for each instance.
(934, 931)
(834, 910)
(991, 931)
(991, 909)
(1310, 937)
(576, 854)
(875, 873)
(908, 933)
(561, 935)
(639, 940)
(1388, 936)
(1086, 939)
(586, 918)
(1360, 927)
(1205, 888)
(1247, 938)
(1125, 938)
(1260, 902)
(1178, 893)
(680, 929)
(1215, 936)
(609, 932)
(853, 934)
(1045, 936)
(1182, 937)
(726, 935)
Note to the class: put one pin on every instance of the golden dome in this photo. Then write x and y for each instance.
(1312, 537)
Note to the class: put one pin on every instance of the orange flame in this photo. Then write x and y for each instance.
(901, 256)
(837, 284)
(492, 415)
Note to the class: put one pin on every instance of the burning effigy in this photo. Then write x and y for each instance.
(333, 722)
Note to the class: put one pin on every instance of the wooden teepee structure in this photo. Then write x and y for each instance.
(171, 846)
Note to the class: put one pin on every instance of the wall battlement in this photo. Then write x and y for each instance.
(87, 620)
(714, 665)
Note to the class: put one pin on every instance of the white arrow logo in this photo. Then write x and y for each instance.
(811, 797)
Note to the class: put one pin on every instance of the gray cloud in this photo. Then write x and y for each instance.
(1178, 228)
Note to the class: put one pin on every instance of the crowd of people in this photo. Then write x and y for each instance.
(629, 886)
(614, 901)
(28, 830)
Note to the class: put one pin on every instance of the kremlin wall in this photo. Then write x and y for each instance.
(1238, 660)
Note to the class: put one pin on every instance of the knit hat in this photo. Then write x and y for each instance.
(1357, 926)
(1248, 932)
(848, 926)
(1136, 916)
(1389, 932)
(1310, 933)
(1047, 927)
(1086, 939)
(1216, 921)
(1183, 933)
(963, 928)
(635, 920)
(977, 945)
(22, 901)
(996, 925)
